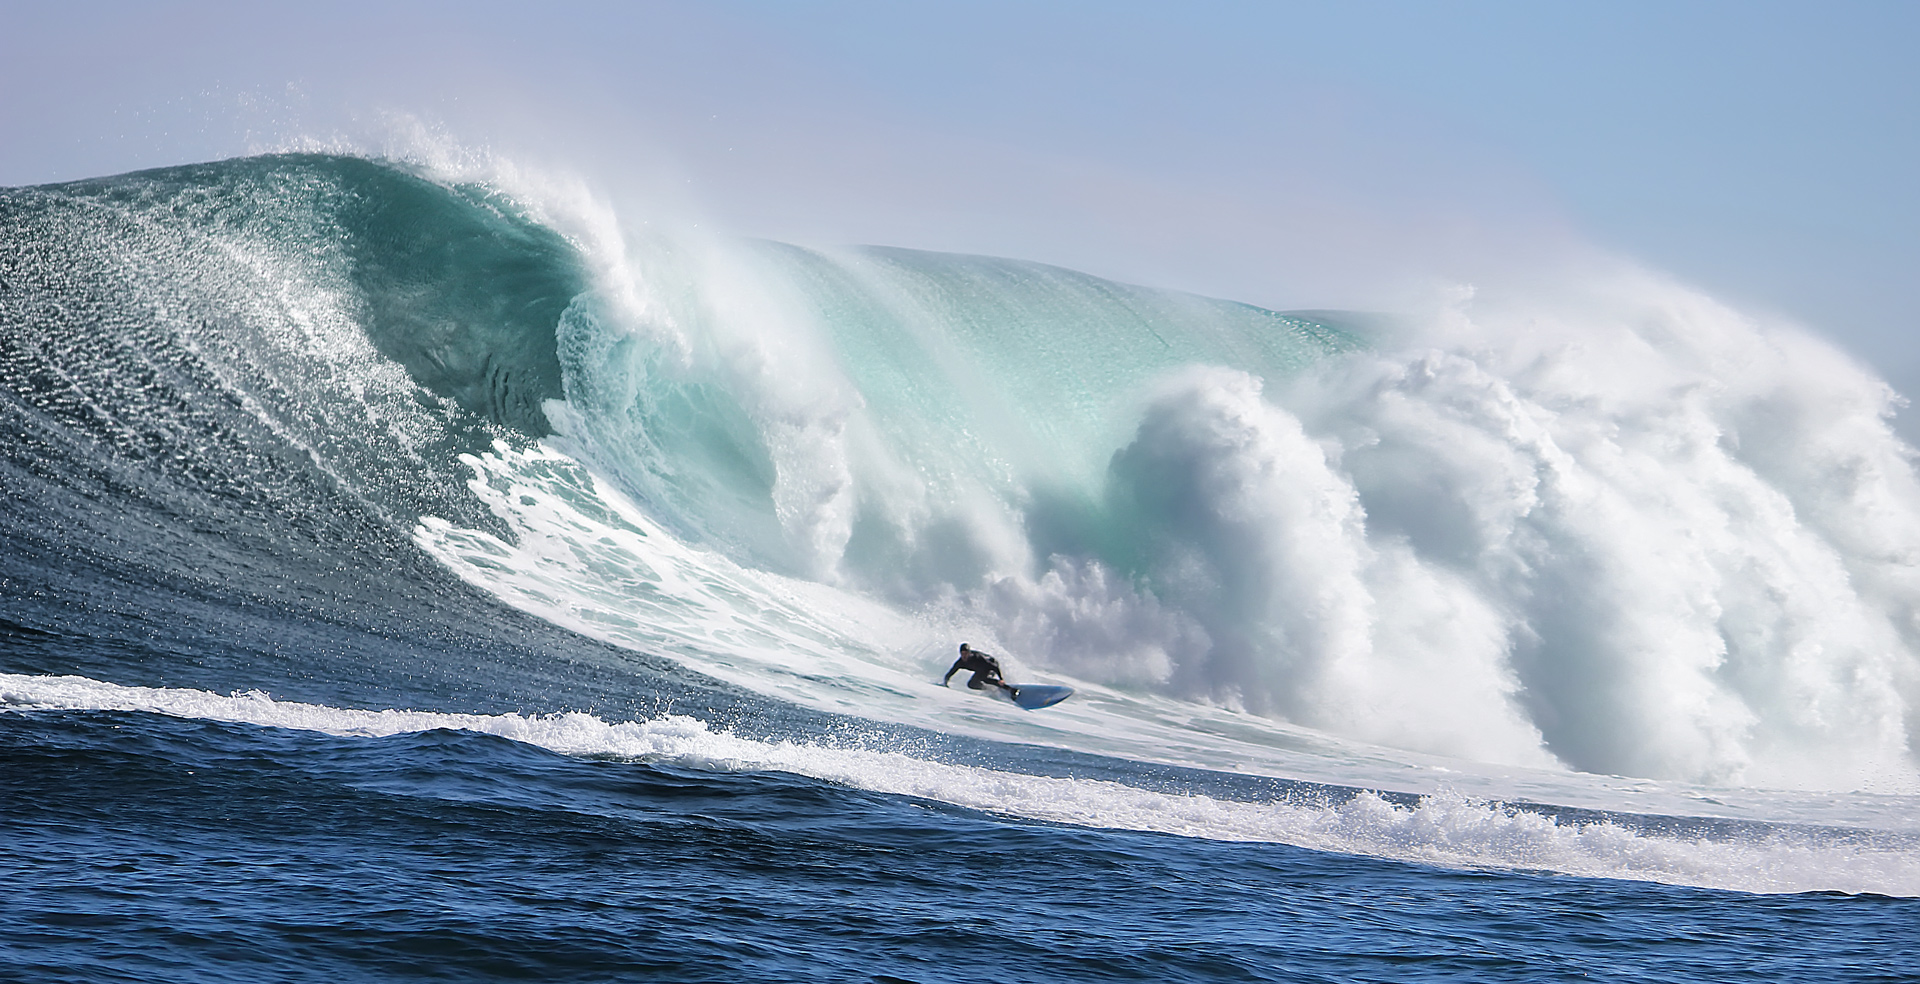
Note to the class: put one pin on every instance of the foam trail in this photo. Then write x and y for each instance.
(1444, 829)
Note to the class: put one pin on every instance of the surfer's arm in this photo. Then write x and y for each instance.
(951, 671)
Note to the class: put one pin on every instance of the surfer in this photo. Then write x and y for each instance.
(986, 670)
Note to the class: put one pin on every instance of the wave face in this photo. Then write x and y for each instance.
(1620, 529)
(229, 391)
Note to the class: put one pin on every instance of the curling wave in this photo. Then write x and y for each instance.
(1614, 527)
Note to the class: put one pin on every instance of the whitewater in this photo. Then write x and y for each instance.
(1445, 829)
(1708, 525)
(312, 457)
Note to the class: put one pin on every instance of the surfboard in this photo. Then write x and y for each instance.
(1034, 696)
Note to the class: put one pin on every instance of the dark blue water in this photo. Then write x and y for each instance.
(146, 848)
(190, 501)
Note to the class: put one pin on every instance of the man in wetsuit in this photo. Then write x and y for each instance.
(986, 670)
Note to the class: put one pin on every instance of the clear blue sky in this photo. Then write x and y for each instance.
(1280, 153)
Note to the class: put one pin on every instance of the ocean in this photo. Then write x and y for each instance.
(431, 573)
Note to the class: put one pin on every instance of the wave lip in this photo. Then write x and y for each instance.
(1441, 829)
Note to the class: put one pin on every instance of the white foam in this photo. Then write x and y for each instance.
(1620, 528)
(1697, 530)
(1442, 829)
(1609, 525)
(1614, 526)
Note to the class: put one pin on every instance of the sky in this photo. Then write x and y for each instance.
(1285, 154)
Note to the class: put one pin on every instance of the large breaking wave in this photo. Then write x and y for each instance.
(1615, 527)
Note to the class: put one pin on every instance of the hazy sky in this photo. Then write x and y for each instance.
(1321, 154)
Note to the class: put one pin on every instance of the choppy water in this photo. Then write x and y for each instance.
(415, 579)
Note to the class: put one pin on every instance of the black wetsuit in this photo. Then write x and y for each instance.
(986, 670)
